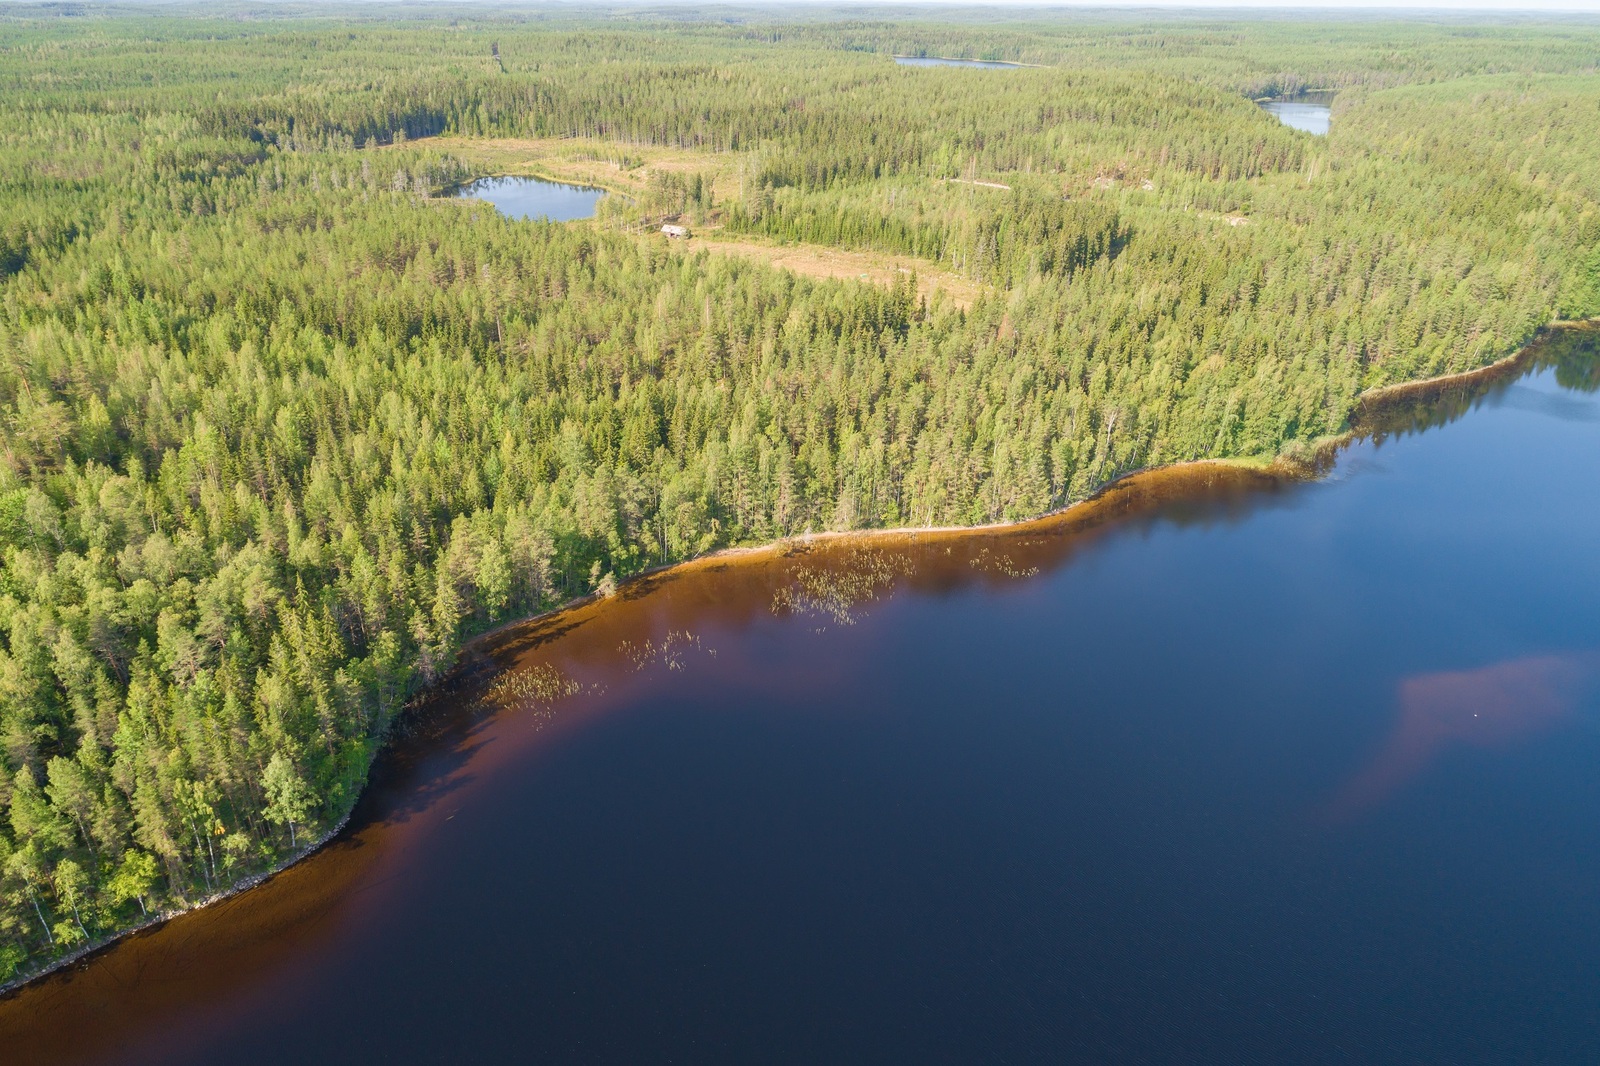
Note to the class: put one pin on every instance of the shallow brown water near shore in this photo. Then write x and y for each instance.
(1221, 766)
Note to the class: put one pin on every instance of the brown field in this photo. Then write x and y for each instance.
(818, 261)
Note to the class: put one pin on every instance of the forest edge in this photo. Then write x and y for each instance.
(1282, 468)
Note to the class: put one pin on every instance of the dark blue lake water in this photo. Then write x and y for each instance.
(535, 198)
(1227, 770)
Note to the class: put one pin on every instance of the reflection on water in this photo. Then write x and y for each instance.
(1488, 707)
(1025, 794)
(1310, 112)
(1571, 354)
(1553, 404)
(535, 198)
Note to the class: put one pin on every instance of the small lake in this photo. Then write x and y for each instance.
(535, 198)
(934, 61)
(1220, 768)
(1311, 112)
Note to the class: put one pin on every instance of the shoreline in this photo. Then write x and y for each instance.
(1383, 394)
(533, 170)
(155, 921)
(472, 650)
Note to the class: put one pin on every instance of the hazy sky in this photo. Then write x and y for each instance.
(1592, 6)
(1399, 6)
(1443, 6)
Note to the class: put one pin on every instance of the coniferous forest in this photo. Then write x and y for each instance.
(283, 427)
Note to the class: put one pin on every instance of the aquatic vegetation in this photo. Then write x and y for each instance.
(836, 587)
(537, 686)
(1000, 563)
(671, 651)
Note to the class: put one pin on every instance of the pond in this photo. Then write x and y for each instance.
(535, 198)
(1221, 767)
(936, 61)
(1311, 112)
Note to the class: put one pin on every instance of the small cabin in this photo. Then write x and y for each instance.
(675, 232)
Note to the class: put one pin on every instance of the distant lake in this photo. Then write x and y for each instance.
(530, 198)
(1219, 768)
(1311, 112)
(935, 61)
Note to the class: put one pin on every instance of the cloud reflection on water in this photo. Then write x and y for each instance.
(1487, 707)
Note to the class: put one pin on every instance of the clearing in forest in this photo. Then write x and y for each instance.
(819, 261)
(628, 169)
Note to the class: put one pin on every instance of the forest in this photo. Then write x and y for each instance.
(283, 426)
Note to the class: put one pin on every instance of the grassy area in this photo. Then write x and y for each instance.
(627, 170)
(817, 261)
(621, 168)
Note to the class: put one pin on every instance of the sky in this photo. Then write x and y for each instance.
(1587, 6)
(1442, 6)
(1399, 6)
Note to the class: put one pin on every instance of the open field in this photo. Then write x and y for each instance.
(627, 170)
(817, 261)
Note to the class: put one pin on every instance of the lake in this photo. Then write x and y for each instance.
(1221, 767)
(535, 198)
(1311, 112)
(935, 61)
